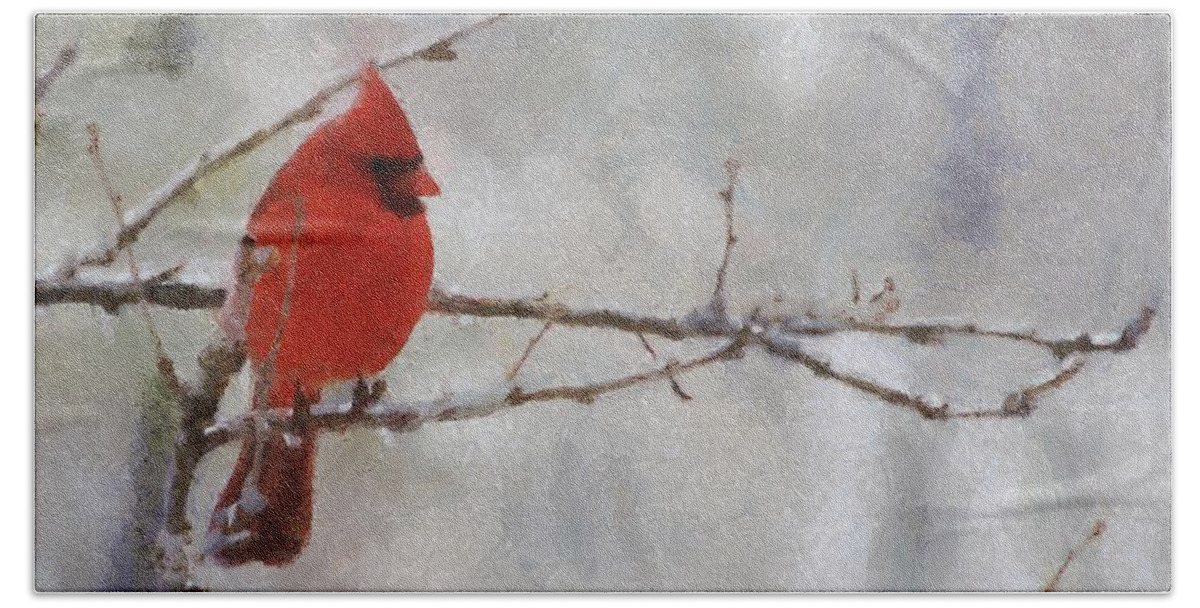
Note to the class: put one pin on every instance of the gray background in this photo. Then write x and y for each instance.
(1011, 170)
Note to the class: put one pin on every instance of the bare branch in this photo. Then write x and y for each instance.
(931, 333)
(675, 386)
(218, 363)
(111, 295)
(587, 394)
(732, 167)
(1098, 529)
(440, 50)
(411, 415)
(104, 253)
(1023, 402)
(66, 58)
(512, 373)
(443, 302)
(888, 286)
(780, 345)
(166, 366)
(1019, 404)
(646, 345)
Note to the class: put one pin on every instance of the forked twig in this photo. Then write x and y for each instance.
(166, 367)
(372, 412)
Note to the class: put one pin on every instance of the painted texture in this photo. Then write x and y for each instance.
(1013, 171)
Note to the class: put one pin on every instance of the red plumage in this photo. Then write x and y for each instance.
(336, 269)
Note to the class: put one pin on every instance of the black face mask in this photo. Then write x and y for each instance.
(388, 173)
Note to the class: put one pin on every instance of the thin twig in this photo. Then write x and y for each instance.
(719, 303)
(440, 50)
(66, 58)
(410, 416)
(1023, 402)
(646, 345)
(927, 333)
(104, 253)
(675, 386)
(1019, 404)
(166, 367)
(1098, 529)
(888, 286)
(781, 346)
(266, 373)
(588, 393)
(512, 372)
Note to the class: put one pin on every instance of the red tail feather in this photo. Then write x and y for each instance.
(265, 511)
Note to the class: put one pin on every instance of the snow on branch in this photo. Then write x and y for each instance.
(162, 289)
(781, 336)
(368, 409)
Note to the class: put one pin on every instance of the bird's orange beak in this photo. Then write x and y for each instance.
(420, 183)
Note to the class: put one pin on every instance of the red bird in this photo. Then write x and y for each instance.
(334, 273)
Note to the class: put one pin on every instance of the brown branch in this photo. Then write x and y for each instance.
(440, 50)
(932, 333)
(66, 58)
(105, 253)
(1020, 404)
(646, 345)
(780, 346)
(1023, 402)
(512, 372)
(587, 394)
(732, 167)
(675, 386)
(371, 412)
(198, 405)
(218, 363)
(446, 303)
(1098, 529)
(111, 295)
(166, 367)
(888, 287)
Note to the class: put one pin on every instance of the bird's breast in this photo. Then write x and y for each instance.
(340, 300)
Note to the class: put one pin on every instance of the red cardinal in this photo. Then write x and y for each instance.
(334, 273)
